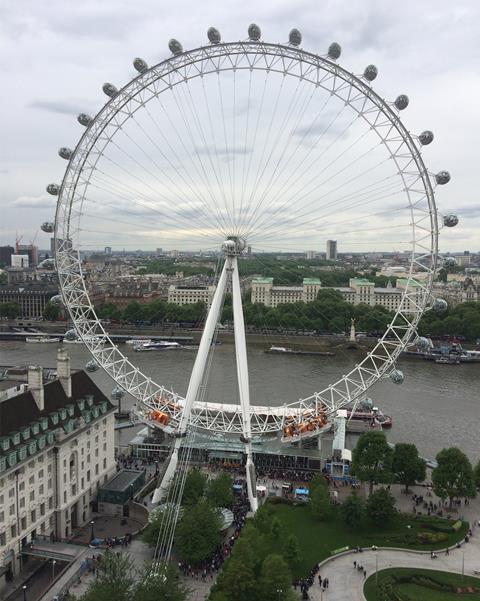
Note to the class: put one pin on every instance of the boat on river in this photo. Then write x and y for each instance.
(367, 417)
(283, 350)
(138, 340)
(448, 360)
(162, 345)
(42, 340)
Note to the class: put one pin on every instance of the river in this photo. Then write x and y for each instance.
(437, 405)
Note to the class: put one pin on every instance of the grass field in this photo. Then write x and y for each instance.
(318, 539)
(423, 592)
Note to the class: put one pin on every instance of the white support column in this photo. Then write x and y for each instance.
(195, 381)
(243, 382)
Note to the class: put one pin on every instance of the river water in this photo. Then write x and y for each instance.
(437, 405)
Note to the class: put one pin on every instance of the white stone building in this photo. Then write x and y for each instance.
(265, 293)
(184, 295)
(56, 449)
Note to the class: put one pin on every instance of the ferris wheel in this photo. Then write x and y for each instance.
(235, 146)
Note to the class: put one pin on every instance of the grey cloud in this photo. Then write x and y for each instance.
(57, 106)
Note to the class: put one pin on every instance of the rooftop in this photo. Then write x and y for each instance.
(312, 281)
(262, 281)
(121, 481)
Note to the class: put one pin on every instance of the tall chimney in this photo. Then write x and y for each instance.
(63, 371)
(35, 385)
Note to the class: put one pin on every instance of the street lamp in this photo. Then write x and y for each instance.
(279, 592)
(463, 565)
(54, 561)
(131, 492)
(92, 533)
(24, 588)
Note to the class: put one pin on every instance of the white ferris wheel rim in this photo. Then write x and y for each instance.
(381, 117)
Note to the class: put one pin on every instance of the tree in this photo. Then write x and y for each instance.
(316, 481)
(156, 523)
(291, 551)
(407, 467)
(164, 585)
(275, 579)
(9, 310)
(381, 506)
(352, 510)
(220, 491)
(198, 532)
(476, 475)
(51, 312)
(320, 505)
(194, 487)
(236, 581)
(453, 477)
(372, 459)
(114, 581)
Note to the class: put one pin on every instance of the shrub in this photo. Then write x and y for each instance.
(458, 524)
(426, 538)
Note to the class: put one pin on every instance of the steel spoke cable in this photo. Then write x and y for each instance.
(283, 129)
(245, 141)
(225, 138)
(198, 123)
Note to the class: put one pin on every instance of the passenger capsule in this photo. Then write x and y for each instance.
(426, 137)
(254, 32)
(440, 305)
(214, 35)
(370, 72)
(65, 153)
(53, 189)
(71, 335)
(334, 51)
(401, 102)
(92, 366)
(47, 264)
(110, 90)
(47, 227)
(175, 46)
(442, 178)
(84, 119)
(295, 37)
(397, 376)
(422, 343)
(450, 220)
(449, 261)
(56, 300)
(117, 393)
(140, 65)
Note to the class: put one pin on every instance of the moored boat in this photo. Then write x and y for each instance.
(157, 346)
(289, 351)
(42, 339)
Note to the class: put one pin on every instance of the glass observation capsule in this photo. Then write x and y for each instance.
(65, 153)
(397, 376)
(71, 335)
(53, 189)
(422, 343)
(334, 51)
(426, 137)
(47, 227)
(57, 300)
(92, 366)
(440, 305)
(140, 65)
(295, 37)
(450, 220)
(47, 264)
(449, 261)
(175, 46)
(401, 102)
(370, 72)
(84, 119)
(254, 32)
(117, 393)
(442, 178)
(214, 35)
(109, 89)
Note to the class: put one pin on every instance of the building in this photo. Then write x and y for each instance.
(31, 297)
(331, 250)
(108, 250)
(30, 250)
(21, 261)
(265, 293)
(5, 255)
(189, 295)
(56, 450)
(114, 496)
(311, 254)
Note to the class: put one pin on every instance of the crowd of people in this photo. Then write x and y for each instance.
(304, 584)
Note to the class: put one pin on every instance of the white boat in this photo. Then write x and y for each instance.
(157, 346)
(138, 341)
(87, 339)
(43, 339)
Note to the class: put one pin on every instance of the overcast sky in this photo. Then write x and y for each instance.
(55, 56)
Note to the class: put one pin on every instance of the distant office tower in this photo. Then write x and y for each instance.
(28, 249)
(331, 250)
(108, 250)
(5, 253)
(311, 254)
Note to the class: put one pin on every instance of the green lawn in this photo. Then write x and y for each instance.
(318, 539)
(417, 591)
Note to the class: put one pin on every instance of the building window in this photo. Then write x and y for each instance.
(13, 530)
(105, 463)
(3, 539)
(42, 509)
(65, 496)
(32, 495)
(23, 524)
(50, 503)
(12, 510)
(33, 516)
(22, 502)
